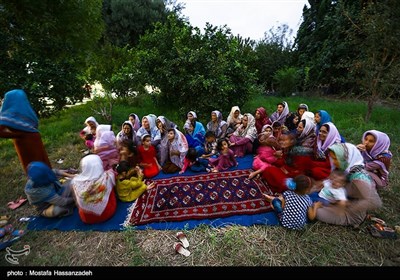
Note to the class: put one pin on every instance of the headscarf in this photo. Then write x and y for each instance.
(42, 183)
(309, 128)
(137, 121)
(216, 128)
(332, 137)
(121, 136)
(382, 145)
(263, 120)
(307, 115)
(231, 118)
(325, 117)
(151, 118)
(282, 116)
(93, 186)
(100, 130)
(16, 112)
(178, 144)
(250, 130)
(91, 119)
(348, 156)
(192, 113)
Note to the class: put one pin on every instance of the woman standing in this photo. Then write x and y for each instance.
(19, 122)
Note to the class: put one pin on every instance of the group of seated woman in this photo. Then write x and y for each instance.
(284, 145)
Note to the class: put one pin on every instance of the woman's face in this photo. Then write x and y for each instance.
(190, 117)
(132, 120)
(126, 128)
(245, 121)
(323, 133)
(257, 115)
(301, 111)
(91, 124)
(280, 108)
(268, 131)
(145, 123)
(236, 114)
(300, 128)
(213, 117)
(369, 142)
(317, 118)
(171, 135)
(160, 125)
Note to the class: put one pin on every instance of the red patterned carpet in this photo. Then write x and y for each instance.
(204, 196)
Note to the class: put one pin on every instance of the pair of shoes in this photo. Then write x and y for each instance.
(60, 160)
(17, 203)
(180, 247)
(380, 231)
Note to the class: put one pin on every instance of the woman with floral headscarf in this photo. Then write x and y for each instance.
(177, 147)
(234, 120)
(377, 156)
(94, 191)
(360, 188)
(19, 122)
(241, 142)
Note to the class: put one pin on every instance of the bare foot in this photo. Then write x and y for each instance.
(152, 185)
(269, 198)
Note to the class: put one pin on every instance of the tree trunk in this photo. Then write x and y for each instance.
(370, 106)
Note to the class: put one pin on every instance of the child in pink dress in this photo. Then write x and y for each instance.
(226, 158)
(265, 152)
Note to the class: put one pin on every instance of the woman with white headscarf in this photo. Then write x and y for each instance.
(241, 141)
(94, 191)
(360, 188)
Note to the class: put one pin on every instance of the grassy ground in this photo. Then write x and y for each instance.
(318, 245)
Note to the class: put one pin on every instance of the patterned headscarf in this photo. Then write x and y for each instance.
(250, 130)
(16, 112)
(93, 186)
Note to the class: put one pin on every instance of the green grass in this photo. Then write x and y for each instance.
(318, 245)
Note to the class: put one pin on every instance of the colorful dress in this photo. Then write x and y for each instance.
(148, 157)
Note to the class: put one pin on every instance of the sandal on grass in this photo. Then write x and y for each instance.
(17, 203)
(380, 231)
(182, 238)
(181, 250)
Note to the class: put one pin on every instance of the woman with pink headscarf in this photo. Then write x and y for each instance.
(377, 157)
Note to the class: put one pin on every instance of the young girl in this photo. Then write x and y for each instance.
(128, 152)
(225, 160)
(265, 153)
(130, 183)
(147, 157)
(294, 207)
(193, 162)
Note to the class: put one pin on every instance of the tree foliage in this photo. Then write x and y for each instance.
(191, 70)
(272, 53)
(44, 48)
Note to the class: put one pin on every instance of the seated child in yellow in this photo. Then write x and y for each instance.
(130, 183)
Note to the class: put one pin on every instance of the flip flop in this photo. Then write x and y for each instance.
(182, 238)
(17, 203)
(181, 250)
(380, 231)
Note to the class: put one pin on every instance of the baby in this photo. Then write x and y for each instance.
(333, 190)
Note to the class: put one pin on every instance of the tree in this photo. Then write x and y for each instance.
(273, 52)
(44, 49)
(377, 64)
(192, 70)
